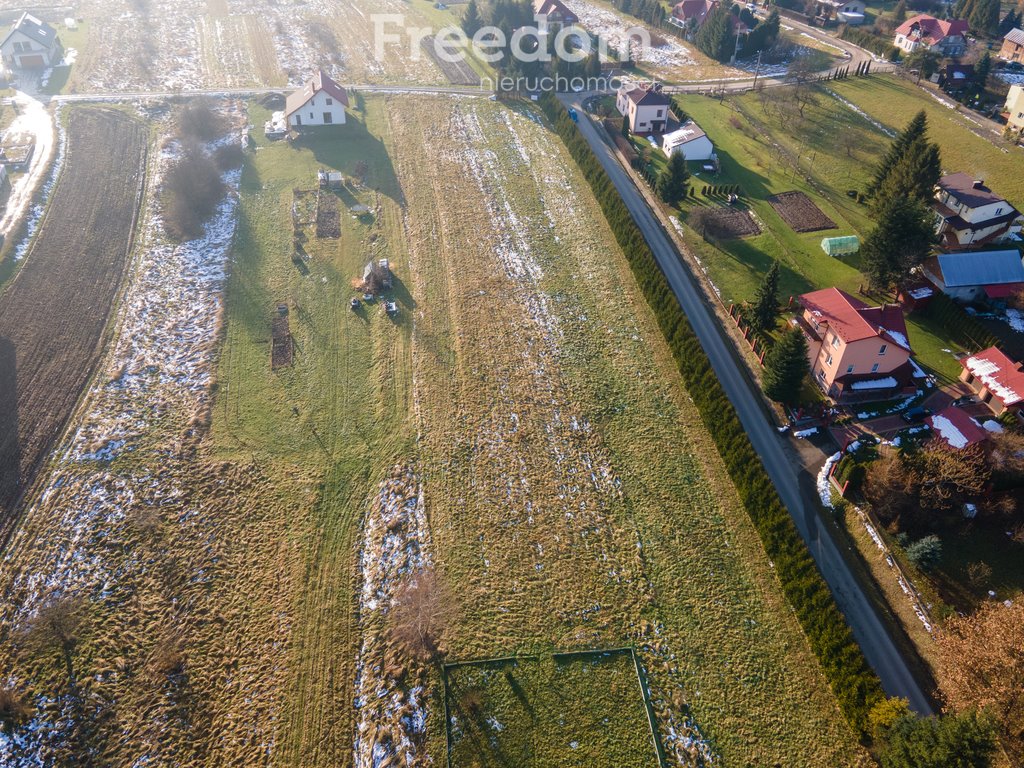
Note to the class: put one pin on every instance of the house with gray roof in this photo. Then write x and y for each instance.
(31, 44)
(969, 214)
(971, 276)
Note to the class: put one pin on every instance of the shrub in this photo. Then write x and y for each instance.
(925, 553)
(192, 191)
(14, 708)
(197, 120)
(855, 685)
(229, 156)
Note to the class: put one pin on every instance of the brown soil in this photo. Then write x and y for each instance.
(53, 315)
(800, 212)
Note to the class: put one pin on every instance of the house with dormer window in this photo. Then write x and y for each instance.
(31, 44)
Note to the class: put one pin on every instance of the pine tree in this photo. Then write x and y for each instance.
(900, 14)
(962, 740)
(766, 302)
(981, 70)
(917, 127)
(671, 185)
(471, 21)
(984, 16)
(901, 240)
(785, 368)
(714, 38)
(913, 177)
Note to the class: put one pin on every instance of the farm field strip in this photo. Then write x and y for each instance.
(132, 521)
(537, 396)
(74, 268)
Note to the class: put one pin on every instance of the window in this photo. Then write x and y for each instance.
(328, 118)
(828, 359)
(882, 350)
(849, 369)
(330, 102)
(999, 211)
(835, 341)
(874, 368)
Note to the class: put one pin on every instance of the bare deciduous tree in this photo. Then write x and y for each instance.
(419, 615)
(982, 660)
(56, 625)
(15, 709)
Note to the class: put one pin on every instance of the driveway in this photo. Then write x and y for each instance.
(798, 497)
(34, 124)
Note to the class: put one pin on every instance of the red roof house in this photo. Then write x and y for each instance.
(693, 10)
(997, 380)
(948, 38)
(321, 101)
(857, 352)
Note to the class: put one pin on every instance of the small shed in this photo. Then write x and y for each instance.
(840, 246)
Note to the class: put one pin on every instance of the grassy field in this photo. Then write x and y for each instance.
(565, 711)
(241, 532)
(518, 388)
(767, 148)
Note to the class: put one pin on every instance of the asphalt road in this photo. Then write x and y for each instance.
(878, 646)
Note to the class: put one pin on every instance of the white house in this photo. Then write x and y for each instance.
(31, 44)
(947, 38)
(976, 275)
(969, 213)
(645, 107)
(689, 139)
(321, 101)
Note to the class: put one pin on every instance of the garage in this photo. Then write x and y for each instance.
(32, 61)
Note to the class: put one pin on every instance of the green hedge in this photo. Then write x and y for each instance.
(855, 685)
(960, 326)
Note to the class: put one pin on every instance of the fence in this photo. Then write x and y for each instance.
(558, 657)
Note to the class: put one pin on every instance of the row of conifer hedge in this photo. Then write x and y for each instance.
(856, 687)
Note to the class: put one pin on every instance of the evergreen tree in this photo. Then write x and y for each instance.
(671, 185)
(981, 70)
(950, 741)
(766, 302)
(785, 368)
(714, 38)
(917, 127)
(900, 14)
(984, 16)
(471, 21)
(901, 240)
(914, 176)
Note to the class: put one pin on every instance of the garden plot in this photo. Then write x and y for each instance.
(131, 523)
(800, 212)
(726, 222)
(567, 505)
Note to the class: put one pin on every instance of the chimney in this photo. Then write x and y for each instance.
(979, 184)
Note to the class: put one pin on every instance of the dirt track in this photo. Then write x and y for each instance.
(53, 315)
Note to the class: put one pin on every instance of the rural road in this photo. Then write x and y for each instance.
(879, 648)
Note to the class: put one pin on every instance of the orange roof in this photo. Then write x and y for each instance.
(853, 320)
(932, 30)
(1000, 375)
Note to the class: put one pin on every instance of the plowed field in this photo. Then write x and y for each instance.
(53, 315)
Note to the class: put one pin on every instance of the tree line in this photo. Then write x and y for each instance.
(855, 685)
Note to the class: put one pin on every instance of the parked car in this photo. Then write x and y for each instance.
(916, 415)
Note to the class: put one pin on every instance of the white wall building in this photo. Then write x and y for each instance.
(321, 101)
(689, 139)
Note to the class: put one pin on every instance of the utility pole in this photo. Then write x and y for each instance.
(757, 68)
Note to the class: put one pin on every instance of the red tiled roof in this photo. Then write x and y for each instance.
(694, 9)
(853, 320)
(319, 82)
(955, 428)
(648, 97)
(932, 30)
(998, 373)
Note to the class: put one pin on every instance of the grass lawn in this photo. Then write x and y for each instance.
(893, 102)
(831, 150)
